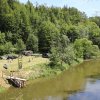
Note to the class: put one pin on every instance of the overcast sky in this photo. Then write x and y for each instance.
(90, 7)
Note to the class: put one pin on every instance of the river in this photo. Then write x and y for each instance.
(81, 82)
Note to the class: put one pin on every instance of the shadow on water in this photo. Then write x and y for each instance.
(73, 84)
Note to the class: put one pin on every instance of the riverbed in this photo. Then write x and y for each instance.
(81, 82)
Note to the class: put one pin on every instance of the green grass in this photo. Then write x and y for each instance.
(37, 68)
(2, 89)
(44, 70)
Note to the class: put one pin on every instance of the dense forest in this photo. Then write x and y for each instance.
(64, 32)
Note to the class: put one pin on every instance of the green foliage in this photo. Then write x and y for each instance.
(95, 19)
(8, 47)
(32, 43)
(73, 33)
(20, 45)
(62, 52)
(4, 7)
(2, 38)
(96, 41)
(8, 36)
(85, 48)
(1, 50)
(46, 34)
(64, 32)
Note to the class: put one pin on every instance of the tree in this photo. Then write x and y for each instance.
(20, 45)
(32, 43)
(4, 7)
(94, 32)
(46, 34)
(2, 38)
(1, 49)
(8, 47)
(64, 28)
(95, 19)
(8, 36)
(85, 48)
(25, 24)
(6, 16)
(62, 52)
(73, 33)
(46, 29)
(96, 41)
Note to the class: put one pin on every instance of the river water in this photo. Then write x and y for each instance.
(81, 82)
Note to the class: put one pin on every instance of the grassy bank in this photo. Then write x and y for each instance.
(24, 72)
(38, 67)
(44, 70)
(2, 89)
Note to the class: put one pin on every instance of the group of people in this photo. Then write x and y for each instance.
(10, 60)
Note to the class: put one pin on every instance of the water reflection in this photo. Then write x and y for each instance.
(70, 85)
(91, 92)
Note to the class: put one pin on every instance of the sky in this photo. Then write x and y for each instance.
(90, 7)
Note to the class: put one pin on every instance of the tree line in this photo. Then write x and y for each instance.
(65, 33)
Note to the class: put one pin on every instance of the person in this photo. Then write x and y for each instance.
(5, 66)
(29, 60)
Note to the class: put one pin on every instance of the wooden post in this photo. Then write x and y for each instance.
(2, 74)
(20, 61)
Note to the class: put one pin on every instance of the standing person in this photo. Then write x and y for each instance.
(29, 60)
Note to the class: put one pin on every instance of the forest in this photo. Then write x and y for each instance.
(66, 33)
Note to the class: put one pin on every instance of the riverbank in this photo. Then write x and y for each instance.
(72, 81)
(37, 67)
(44, 70)
(29, 62)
